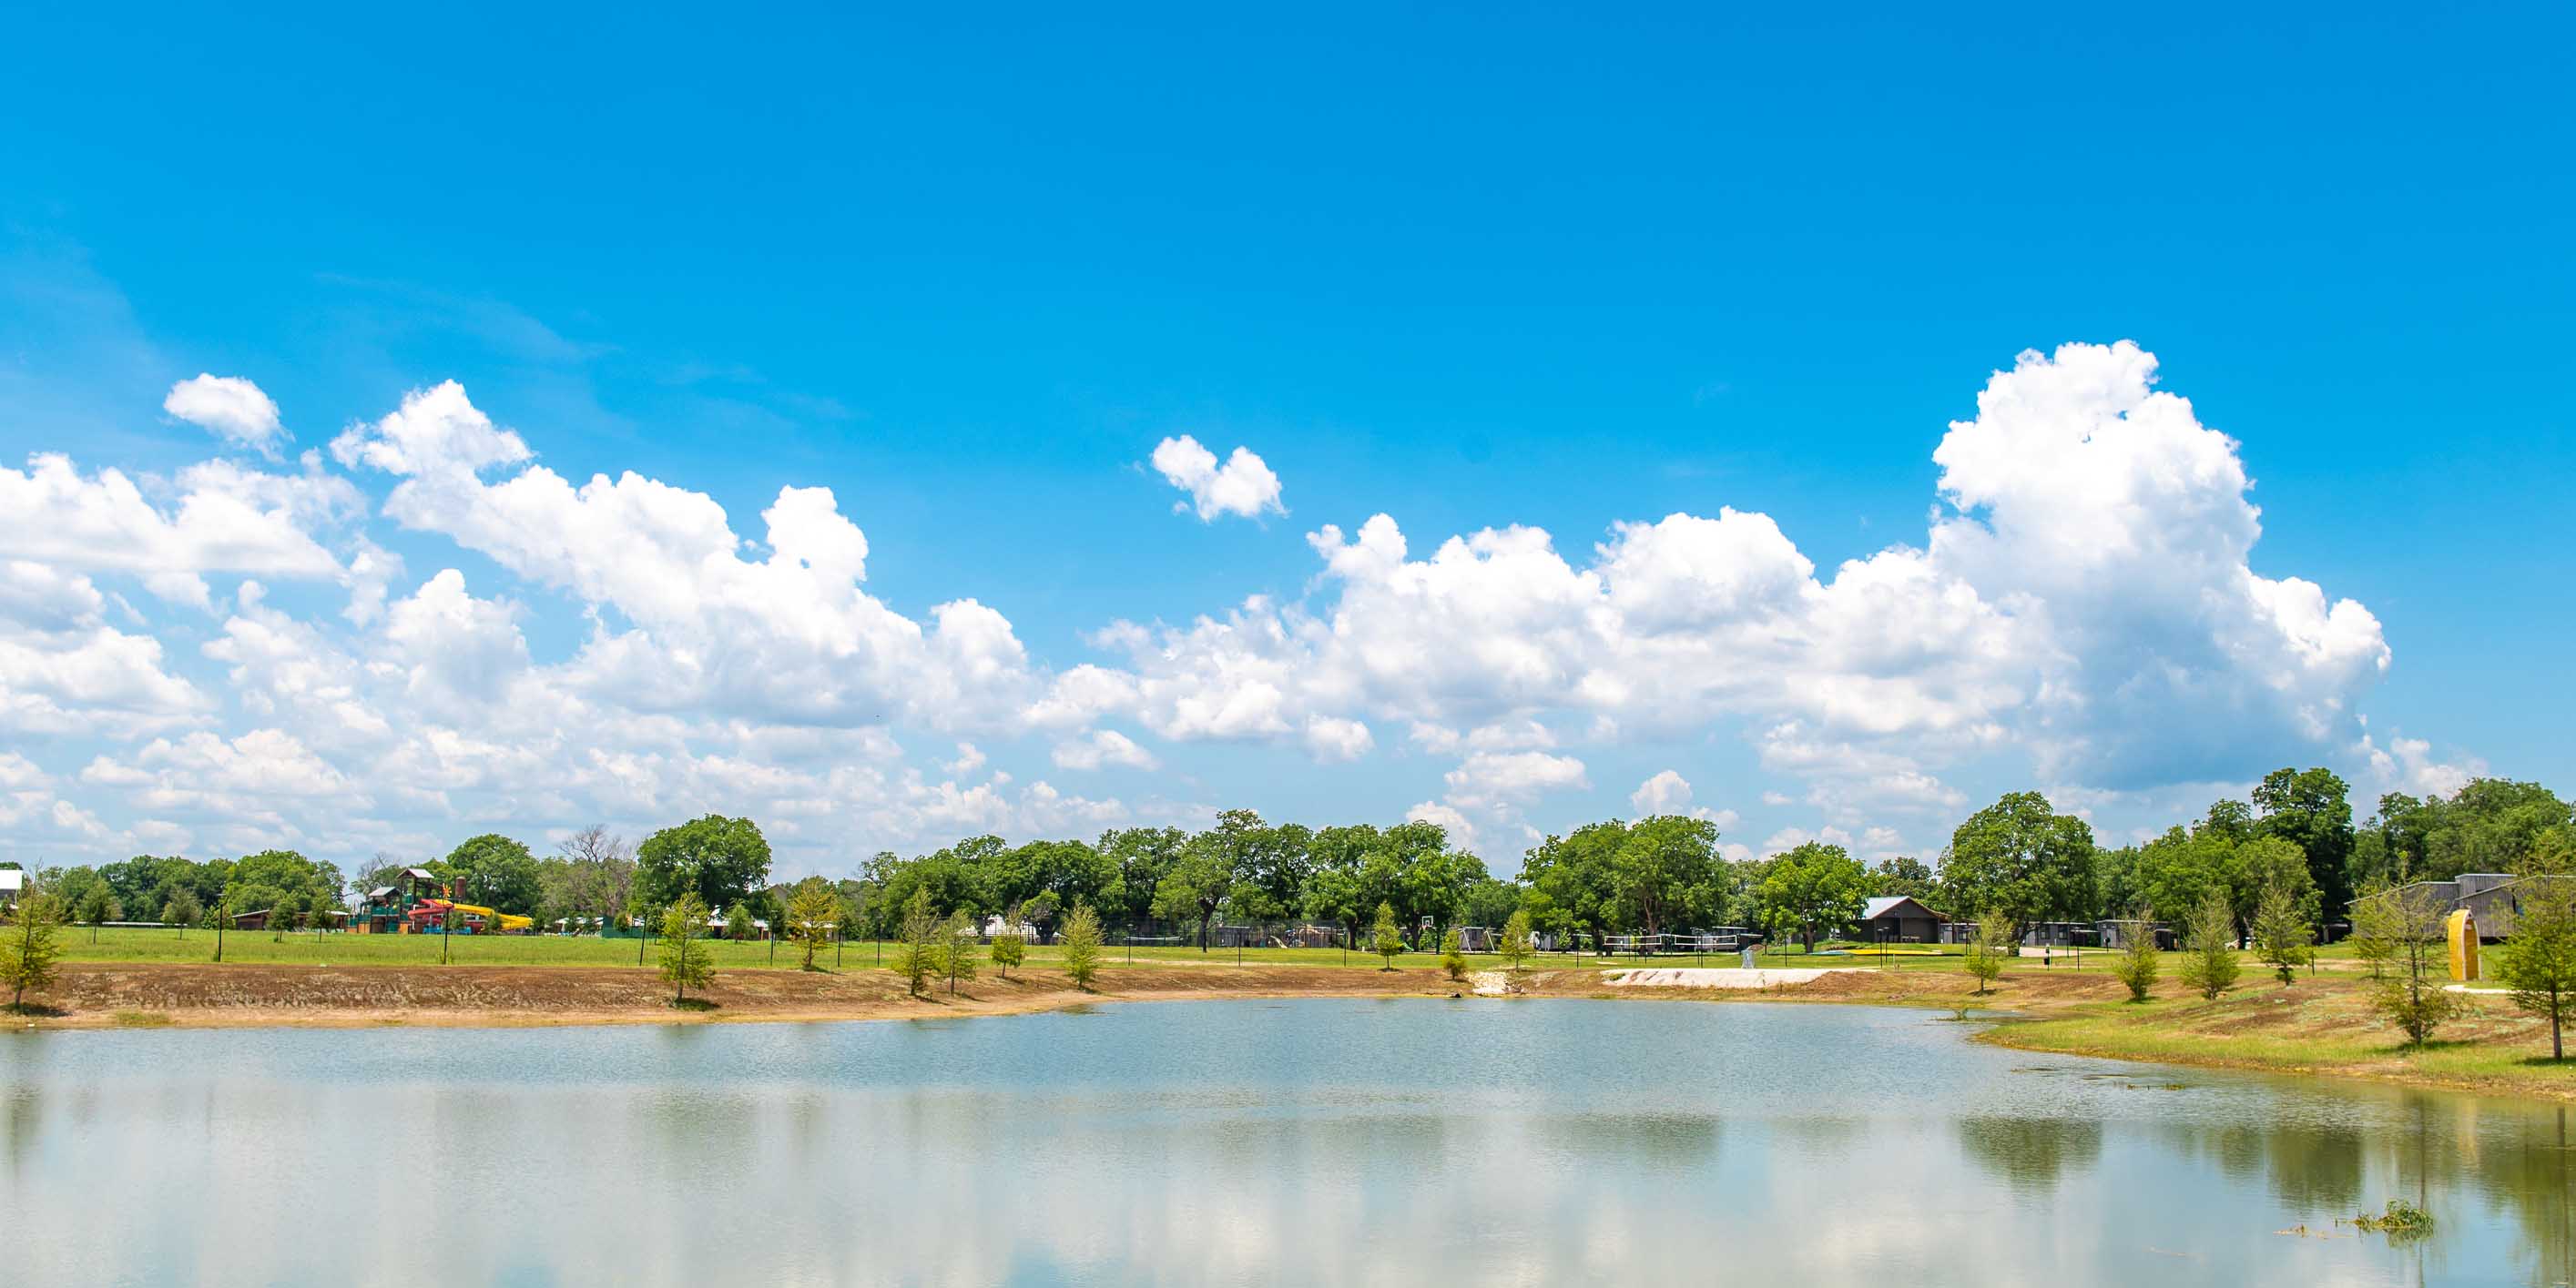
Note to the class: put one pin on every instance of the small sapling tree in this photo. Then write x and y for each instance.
(1987, 951)
(2375, 928)
(1387, 937)
(2139, 962)
(30, 944)
(2282, 939)
(2209, 963)
(686, 960)
(2540, 958)
(98, 907)
(1010, 947)
(918, 955)
(1516, 939)
(1082, 946)
(2411, 998)
(958, 948)
(813, 910)
(182, 910)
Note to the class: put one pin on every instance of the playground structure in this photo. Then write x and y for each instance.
(420, 904)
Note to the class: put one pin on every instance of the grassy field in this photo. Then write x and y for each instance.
(2324, 1025)
(132, 944)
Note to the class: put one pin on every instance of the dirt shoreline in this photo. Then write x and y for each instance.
(252, 995)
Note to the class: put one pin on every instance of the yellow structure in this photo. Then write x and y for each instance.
(505, 920)
(2463, 930)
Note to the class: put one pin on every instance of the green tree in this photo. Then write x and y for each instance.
(285, 915)
(813, 916)
(2539, 962)
(1516, 939)
(721, 860)
(2020, 858)
(1451, 959)
(499, 873)
(2375, 928)
(1815, 887)
(917, 954)
(1387, 938)
(181, 909)
(2282, 937)
(1662, 868)
(2411, 998)
(2140, 963)
(30, 944)
(2209, 963)
(2310, 809)
(1082, 946)
(1906, 876)
(1986, 953)
(739, 921)
(957, 949)
(1010, 947)
(98, 907)
(685, 959)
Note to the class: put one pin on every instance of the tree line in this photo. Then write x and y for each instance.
(2020, 858)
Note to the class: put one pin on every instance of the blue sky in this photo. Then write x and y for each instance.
(1466, 269)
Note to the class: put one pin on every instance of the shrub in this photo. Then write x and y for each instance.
(1452, 960)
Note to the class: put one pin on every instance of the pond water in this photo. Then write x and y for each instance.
(1326, 1141)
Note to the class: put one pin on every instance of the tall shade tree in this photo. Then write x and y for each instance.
(2312, 809)
(1195, 888)
(687, 962)
(2488, 825)
(30, 944)
(1575, 879)
(498, 873)
(2020, 858)
(1815, 887)
(1662, 871)
(721, 860)
(1904, 875)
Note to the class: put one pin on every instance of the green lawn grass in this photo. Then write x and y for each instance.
(135, 944)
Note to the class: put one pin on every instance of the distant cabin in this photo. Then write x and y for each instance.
(1898, 919)
(2490, 898)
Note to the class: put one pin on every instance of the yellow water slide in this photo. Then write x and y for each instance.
(494, 917)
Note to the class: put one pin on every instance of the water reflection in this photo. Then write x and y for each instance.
(2031, 1153)
(1310, 1143)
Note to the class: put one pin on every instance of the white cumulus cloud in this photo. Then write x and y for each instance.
(1242, 486)
(234, 409)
